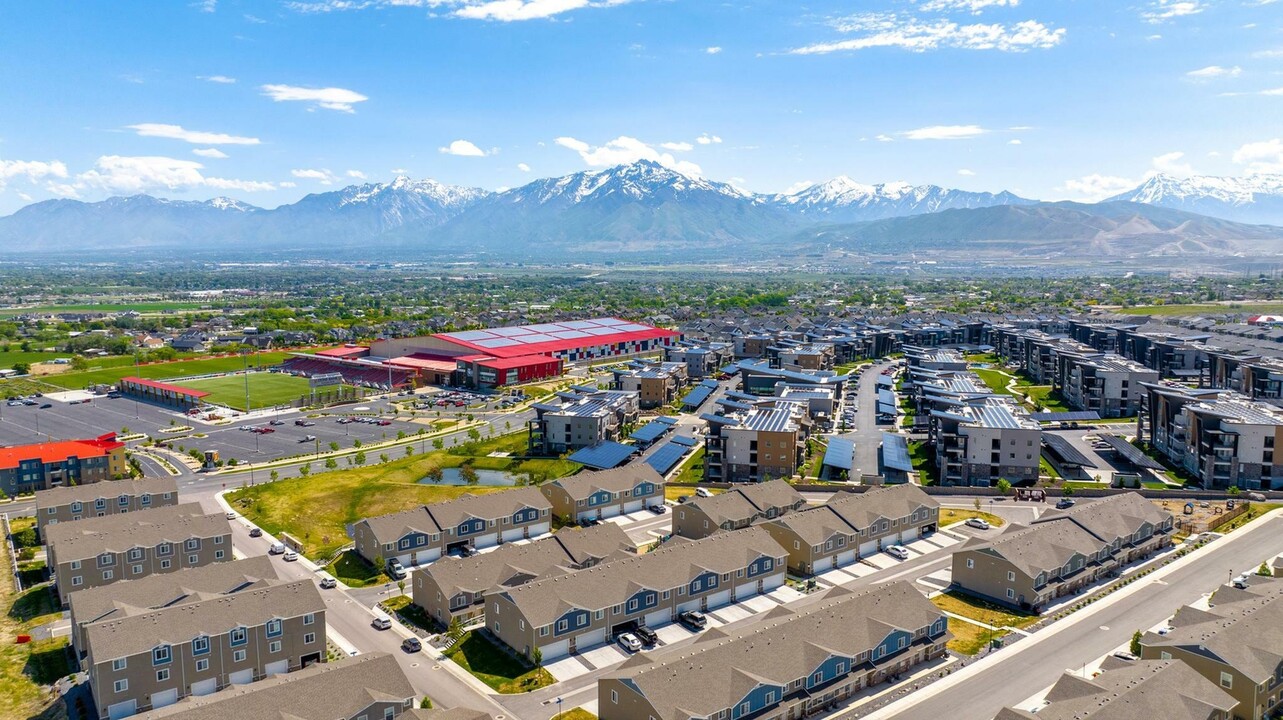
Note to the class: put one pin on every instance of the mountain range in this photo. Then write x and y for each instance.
(645, 207)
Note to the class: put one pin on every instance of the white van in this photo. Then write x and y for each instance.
(277, 549)
(381, 622)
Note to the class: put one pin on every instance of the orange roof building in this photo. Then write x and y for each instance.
(40, 466)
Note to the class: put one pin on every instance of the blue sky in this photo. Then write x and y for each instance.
(268, 101)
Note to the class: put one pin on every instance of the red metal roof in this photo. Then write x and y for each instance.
(156, 385)
(516, 362)
(509, 342)
(422, 362)
(344, 351)
(51, 452)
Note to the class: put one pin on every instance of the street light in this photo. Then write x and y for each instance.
(558, 709)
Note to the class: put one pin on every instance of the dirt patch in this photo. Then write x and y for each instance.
(48, 368)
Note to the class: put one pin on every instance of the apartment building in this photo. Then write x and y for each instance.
(153, 658)
(105, 550)
(788, 666)
(75, 502)
(754, 345)
(457, 588)
(1222, 438)
(1258, 378)
(1235, 642)
(1061, 552)
(852, 525)
(979, 440)
(1167, 689)
(701, 360)
(804, 356)
(735, 509)
(575, 612)
(934, 358)
(105, 603)
(758, 377)
(580, 418)
(605, 493)
(423, 534)
(753, 442)
(371, 686)
(656, 383)
(40, 466)
(1109, 385)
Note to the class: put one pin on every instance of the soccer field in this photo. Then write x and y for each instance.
(265, 389)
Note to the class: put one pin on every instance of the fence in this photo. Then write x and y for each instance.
(13, 552)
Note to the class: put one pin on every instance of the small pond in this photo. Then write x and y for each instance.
(494, 478)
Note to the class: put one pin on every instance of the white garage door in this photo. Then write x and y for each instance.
(611, 511)
(868, 548)
(553, 651)
(205, 687)
(403, 559)
(745, 591)
(540, 529)
(688, 605)
(822, 564)
(658, 618)
(772, 582)
(915, 533)
(590, 640)
(845, 558)
(485, 541)
(163, 698)
(241, 677)
(634, 506)
(719, 599)
(513, 534)
(276, 668)
(122, 709)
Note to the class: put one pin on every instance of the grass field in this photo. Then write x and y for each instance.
(983, 611)
(949, 516)
(164, 371)
(25, 668)
(1210, 309)
(496, 668)
(142, 307)
(968, 638)
(317, 508)
(265, 389)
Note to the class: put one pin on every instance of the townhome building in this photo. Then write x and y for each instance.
(789, 666)
(604, 493)
(75, 502)
(105, 550)
(735, 509)
(981, 439)
(758, 441)
(456, 588)
(1235, 642)
(656, 383)
(1121, 690)
(105, 603)
(580, 418)
(153, 658)
(421, 535)
(372, 686)
(1222, 438)
(40, 466)
(701, 360)
(1109, 385)
(1062, 552)
(852, 525)
(572, 613)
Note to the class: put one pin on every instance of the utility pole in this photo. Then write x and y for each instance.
(245, 359)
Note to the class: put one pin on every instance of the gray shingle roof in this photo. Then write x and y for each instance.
(90, 492)
(91, 537)
(212, 616)
(320, 692)
(1167, 689)
(620, 479)
(848, 513)
(1244, 628)
(436, 517)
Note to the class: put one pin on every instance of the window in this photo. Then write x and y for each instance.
(135, 553)
(309, 638)
(200, 645)
(108, 575)
(160, 655)
(238, 656)
(309, 618)
(120, 686)
(218, 540)
(274, 627)
(162, 675)
(106, 560)
(614, 696)
(1011, 594)
(971, 564)
(136, 569)
(193, 559)
(164, 564)
(1227, 680)
(119, 664)
(274, 646)
(238, 636)
(218, 555)
(1164, 655)
(75, 564)
(77, 581)
(202, 665)
(389, 713)
(1011, 576)
(164, 549)
(192, 544)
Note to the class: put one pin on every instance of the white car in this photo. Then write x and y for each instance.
(231, 515)
(290, 556)
(629, 642)
(702, 492)
(978, 523)
(899, 552)
(1240, 582)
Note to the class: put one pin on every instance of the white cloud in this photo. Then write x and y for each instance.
(878, 30)
(967, 173)
(31, 170)
(287, 184)
(1097, 187)
(707, 139)
(62, 189)
(24, 197)
(513, 10)
(462, 148)
(135, 174)
(523, 167)
(400, 171)
(623, 150)
(324, 177)
(945, 132)
(356, 174)
(884, 138)
(972, 6)
(713, 50)
(214, 153)
(797, 187)
(254, 19)
(208, 6)
(1212, 72)
(1015, 141)
(1171, 164)
(1265, 157)
(1154, 37)
(677, 146)
(1020, 128)
(220, 79)
(1268, 54)
(195, 137)
(1161, 10)
(330, 98)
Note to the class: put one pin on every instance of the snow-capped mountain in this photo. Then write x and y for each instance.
(375, 208)
(1251, 199)
(845, 200)
(231, 204)
(642, 181)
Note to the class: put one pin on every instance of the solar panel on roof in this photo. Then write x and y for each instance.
(570, 334)
(1132, 453)
(651, 431)
(471, 335)
(579, 324)
(696, 397)
(683, 440)
(666, 457)
(600, 331)
(840, 453)
(543, 327)
(510, 331)
(536, 338)
(604, 455)
(631, 327)
(895, 452)
(1075, 416)
(497, 342)
(1065, 452)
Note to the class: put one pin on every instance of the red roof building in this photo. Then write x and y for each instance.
(25, 468)
(168, 394)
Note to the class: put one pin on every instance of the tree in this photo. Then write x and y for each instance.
(304, 470)
(383, 457)
(1264, 570)
(334, 447)
(474, 434)
(435, 475)
(1135, 645)
(359, 458)
(1067, 490)
(976, 502)
(536, 656)
(275, 476)
(1004, 485)
(79, 363)
(438, 443)
(330, 464)
(426, 702)
(409, 450)
(1232, 490)
(469, 475)
(22, 368)
(356, 443)
(400, 585)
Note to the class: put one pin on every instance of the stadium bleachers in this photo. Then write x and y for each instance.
(353, 374)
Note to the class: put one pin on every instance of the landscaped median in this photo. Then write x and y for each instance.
(950, 516)
(494, 666)
(969, 616)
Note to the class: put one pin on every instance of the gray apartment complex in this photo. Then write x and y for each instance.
(735, 509)
(1167, 689)
(604, 493)
(580, 417)
(69, 503)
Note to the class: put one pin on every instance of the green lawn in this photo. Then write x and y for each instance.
(495, 667)
(1050, 400)
(317, 508)
(142, 307)
(969, 639)
(692, 470)
(949, 516)
(972, 607)
(1208, 309)
(1253, 512)
(997, 381)
(576, 714)
(350, 569)
(924, 462)
(265, 389)
(25, 669)
(164, 371)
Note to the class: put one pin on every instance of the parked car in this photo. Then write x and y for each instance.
(290, 556)
(275, 422)
(899, 552)
(682, 498)
(1240, 582)
(231, 515)
(629, 642)
(381, 622)
(277, 549)
(978, 523)
(589, 522)
(256, 532)
(301, 423)
(659, 508)
(1124, 655)
(307, 438)
(703, 492)
(411, 645)
(693, 620)
(45, 406)
(328, 582)
(1065, 504)
(646, 635)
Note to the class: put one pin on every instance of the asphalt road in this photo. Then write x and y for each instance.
(867, 433)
